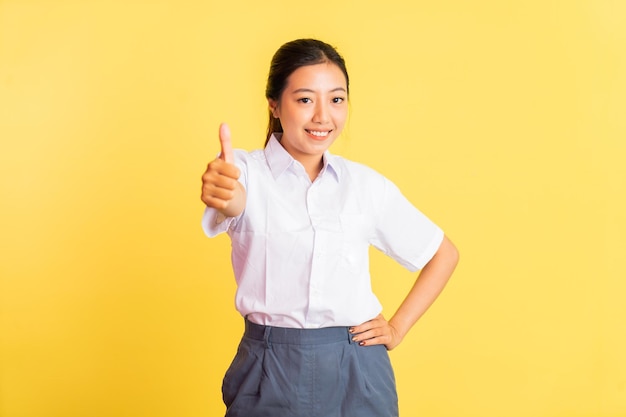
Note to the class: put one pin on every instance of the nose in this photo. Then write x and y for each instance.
(321, 115)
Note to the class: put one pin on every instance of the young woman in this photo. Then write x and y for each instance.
(301, 221)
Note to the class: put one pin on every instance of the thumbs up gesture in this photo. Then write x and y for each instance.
(220, 188)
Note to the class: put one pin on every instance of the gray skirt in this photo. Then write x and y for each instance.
(280, 372)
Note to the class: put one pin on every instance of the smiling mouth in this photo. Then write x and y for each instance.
(318, 133)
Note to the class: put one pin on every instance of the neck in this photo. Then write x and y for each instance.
(312, 163)
(312, 166)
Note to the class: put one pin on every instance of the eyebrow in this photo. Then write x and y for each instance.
(308, 90)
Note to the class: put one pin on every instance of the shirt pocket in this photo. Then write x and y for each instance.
(356, 233)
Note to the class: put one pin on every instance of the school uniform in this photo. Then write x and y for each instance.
(300, 257)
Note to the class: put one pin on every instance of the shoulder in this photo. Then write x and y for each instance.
(356, 171)
(245, 157)
(250, 164)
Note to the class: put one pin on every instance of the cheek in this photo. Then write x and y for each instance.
(340, 117)
(293, 115)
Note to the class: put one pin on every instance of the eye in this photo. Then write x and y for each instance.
(338, 100)
(304, 100)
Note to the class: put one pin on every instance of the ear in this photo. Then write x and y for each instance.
(273, 106)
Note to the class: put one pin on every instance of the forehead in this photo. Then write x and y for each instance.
(318, 77)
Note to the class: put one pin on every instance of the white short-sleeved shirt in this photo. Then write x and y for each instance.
(300, 248)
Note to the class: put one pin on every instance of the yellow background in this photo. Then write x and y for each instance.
(504, 121)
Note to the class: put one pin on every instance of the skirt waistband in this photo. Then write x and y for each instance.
(284, 335)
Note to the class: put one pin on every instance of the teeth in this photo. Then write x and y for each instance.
(318, 134)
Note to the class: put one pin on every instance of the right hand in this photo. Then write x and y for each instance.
(219, 181)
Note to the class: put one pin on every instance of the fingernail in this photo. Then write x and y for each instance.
(361, 343)
(351, 329)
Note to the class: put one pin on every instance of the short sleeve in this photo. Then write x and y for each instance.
(214, 222)
(403, 232)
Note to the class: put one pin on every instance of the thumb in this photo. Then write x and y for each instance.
(227, 148)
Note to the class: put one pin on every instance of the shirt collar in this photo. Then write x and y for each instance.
(279, 159)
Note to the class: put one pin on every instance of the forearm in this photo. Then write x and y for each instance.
(429, 284)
